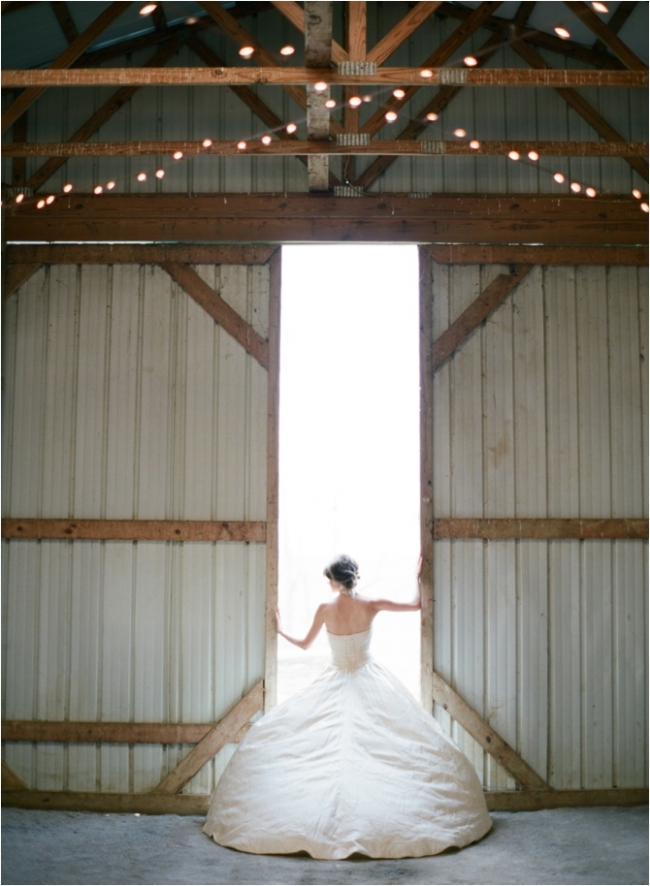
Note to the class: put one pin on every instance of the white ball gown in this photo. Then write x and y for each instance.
(351, 764)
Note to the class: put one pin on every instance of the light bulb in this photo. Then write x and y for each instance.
(110, 185)
(514, 155)
(432, 117)
(637, 193)
(246, 51)
(141, 176)
(366, 98)
(644, 207)
(460, 133)
(330, 103)
(67, 188)
(590, 192)
(600, 7)
(266, 139)
(355, 101)
(470, 61)
(399, 93)
(562, 33)
(474, 144)
(576, 187)
(533, 155)
(207, 142)
(191, 20)
(97, 189)
(287, 50)
(426, 74)
(40, 204)
(291, 128)
(19, 198)
(242, 145)
(391, 116)
(50, 199)
(177, 155)
(320, 86)
(558, 177)
(148, 9)
(160, 173)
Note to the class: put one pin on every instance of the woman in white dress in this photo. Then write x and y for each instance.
(353, 763)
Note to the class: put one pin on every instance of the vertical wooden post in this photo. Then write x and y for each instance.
(426, 478)
(272, 452)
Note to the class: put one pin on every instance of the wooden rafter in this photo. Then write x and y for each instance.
(102, 115)
(218, 737)
(74, 50)
(398, 147)
(288, 78)
(356, 28)
(19, 164)
(459, 254)
(65, 20)
(606, 35)
(401, 32)
(219, 310)
(135, 530)
(616, 22)
(542, 527)
(580, 105)
(296, 15)
(71, 732)
(111, 254)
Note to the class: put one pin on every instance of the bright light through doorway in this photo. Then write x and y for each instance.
(349, 443)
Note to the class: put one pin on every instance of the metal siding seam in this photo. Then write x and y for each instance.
(642, 281)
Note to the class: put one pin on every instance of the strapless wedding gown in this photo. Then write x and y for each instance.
(351, 764)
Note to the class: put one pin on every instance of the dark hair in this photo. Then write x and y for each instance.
(344, 570)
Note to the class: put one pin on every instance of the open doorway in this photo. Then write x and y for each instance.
(349, 444)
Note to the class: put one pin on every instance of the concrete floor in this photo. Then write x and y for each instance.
(595, 846)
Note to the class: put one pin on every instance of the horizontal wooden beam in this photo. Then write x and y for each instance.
(281, 76)
(453, 253)
(136, 530)
(524, 801)
(549, 528)
(276, 218)
(297, 147)
(135, 254)
(80, 801)
(69, 732)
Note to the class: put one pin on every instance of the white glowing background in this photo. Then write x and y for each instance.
(349, 443)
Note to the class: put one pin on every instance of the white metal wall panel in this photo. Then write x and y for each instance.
(125, 400)
(541, 413)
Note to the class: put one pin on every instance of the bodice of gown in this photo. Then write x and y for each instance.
(349, 651)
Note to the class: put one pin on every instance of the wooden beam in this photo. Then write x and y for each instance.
(451, 253)
(318, 54)
(219, 310)
(488, 739)
(543, 528)
(606, 35)
(276, 218)
(401, 32)
(16, 275)
(66, 22)
(622, 13)
(580, 105)
(426, 477)
(296, 15)
(135, 530)
(219, 736)
(397, 147)
(19, 164)
(69, 732)
(159, 19)
(357, 27)
(289, 78)
(473, 316)
(102, 115)
(148, 804)
(524, 801)
(92, 32)
(138, 254)
(272, 484)
(10, 781)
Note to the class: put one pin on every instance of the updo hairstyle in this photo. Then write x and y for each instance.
(344, 571)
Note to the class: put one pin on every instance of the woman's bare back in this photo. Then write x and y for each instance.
(348, 615)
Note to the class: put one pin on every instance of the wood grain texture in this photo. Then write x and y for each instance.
(296, 15)
(521, 801)
(136, 530)
(452, 253)
(112, 733)
(356, 28)
(489, 740)
(219, 736)
(80, 801)
(113, 254)
(501, 528)
(219, 310)
(480, 308)
(400, 33)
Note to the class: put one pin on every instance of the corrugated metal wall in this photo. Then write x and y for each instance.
(200, 112)
(125, 400)
(543, 412)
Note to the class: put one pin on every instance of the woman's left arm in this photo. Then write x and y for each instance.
(313, 632)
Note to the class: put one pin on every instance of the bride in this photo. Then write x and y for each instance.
(352, 763)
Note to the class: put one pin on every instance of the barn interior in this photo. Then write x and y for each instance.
(156, 160)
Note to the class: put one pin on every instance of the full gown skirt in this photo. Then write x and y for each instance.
(353, 763)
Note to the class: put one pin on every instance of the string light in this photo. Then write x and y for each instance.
(97, 189)
(242, 145)
(533, 155)
(391, 116)
(141, 176)
(470, 61)
(432, 116)
(110, 185)
(399, 93)
(191, 20)
(266, 139)
(426, 73)
(207, 142)
(576, 187)
(562, 33)
(590, 192)
(636, 193)
(40, 204)
(366, 98)
(19, 198)
(330, 103)
(320, 86)
(148, 9)
(177, 155)
(287, 50)
(291, 128)
(50, 200)
(514, 155)
(460, 133)
(67, 188)
(355, 101)
(246, 51)
(558, 177)
(600, 7)
(644, 207)
(474, 144)
(160, 173)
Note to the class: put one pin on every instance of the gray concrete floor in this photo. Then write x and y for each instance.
(596, 846)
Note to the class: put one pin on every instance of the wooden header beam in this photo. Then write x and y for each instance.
(135, 254)
(458, 254)
(398, 147)
(278, 218)
(135, 530)
(542, 528)
(277, 76)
